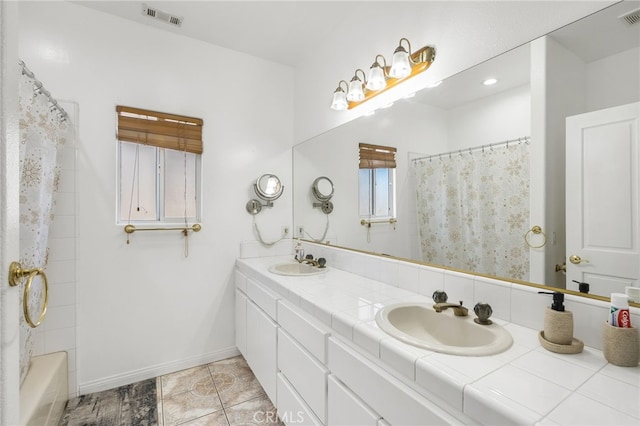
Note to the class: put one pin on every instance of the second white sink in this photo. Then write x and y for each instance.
(296, 269)
(420, 325)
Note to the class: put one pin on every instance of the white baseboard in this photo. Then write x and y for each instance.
(154, 371)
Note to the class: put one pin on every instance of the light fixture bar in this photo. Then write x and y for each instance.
(421, 60)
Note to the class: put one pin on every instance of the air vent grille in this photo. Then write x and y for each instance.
(631, 18)
(161, 15)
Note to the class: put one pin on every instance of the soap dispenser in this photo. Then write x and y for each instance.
(299, 251)
(557, 335)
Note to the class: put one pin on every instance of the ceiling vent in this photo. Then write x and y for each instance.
(631, 18)
(161, 15)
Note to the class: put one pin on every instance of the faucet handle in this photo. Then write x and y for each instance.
(483, 311)
(322, 262)
(439, 296)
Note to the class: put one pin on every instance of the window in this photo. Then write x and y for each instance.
(158, 166)
(376, 181)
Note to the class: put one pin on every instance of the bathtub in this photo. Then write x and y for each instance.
(45, 390)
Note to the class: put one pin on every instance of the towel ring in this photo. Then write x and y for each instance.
(15, 274)
(537, 231)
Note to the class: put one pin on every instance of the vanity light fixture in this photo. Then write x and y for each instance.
(405, 64)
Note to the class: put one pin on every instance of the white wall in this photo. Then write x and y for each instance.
(613, 80)
(145, 309)
(504, 116)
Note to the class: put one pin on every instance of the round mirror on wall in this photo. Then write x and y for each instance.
(268, 187)
(322, 188)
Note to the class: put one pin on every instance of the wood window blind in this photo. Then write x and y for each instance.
(377, 157)
(159, 129)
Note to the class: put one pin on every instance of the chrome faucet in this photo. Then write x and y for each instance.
(458, 310)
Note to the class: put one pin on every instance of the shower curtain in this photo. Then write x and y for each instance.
(473, 209)
(43, 132)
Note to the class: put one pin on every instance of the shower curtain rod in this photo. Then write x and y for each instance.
(523, 139)
(40, 88)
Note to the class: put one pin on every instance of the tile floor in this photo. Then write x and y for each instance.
(224, 393)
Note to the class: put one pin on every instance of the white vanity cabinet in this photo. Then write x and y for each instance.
(313, 376)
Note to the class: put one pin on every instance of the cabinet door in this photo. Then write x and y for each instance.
(262, 347)
(241, 322)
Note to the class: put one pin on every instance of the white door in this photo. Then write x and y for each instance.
(602, 199)
(9, 215)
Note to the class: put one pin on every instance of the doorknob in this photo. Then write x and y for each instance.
(576, 260)
(16, 273)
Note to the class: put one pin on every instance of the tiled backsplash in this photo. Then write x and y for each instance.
(516, 303)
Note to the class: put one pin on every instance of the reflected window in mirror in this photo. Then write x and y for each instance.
(376, 181)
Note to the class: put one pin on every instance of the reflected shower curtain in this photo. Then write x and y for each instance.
(473, 209)
(42, 135)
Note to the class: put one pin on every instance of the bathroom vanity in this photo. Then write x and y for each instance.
(313, 343)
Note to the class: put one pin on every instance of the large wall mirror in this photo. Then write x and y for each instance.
(510, 136)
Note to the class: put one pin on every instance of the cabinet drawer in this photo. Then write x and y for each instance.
(263, 297)
(392, 399)
(346, 409)
(308, 331)
(304, 372)
(291, 408)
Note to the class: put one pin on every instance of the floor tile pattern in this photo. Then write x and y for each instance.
(133, 404)
(222, 393)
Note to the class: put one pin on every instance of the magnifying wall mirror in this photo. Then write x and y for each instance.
(322, 190)
(268, 188)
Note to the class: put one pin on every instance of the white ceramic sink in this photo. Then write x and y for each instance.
(420, 325)
(296, 269)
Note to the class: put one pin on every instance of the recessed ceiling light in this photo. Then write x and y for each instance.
(489, 81)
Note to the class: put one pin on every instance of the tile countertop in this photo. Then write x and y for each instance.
(524, 385)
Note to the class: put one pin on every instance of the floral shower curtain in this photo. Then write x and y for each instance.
(473, 209)
(43, 133)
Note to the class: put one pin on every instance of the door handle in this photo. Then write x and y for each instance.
(16, 273)
(576, 260)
